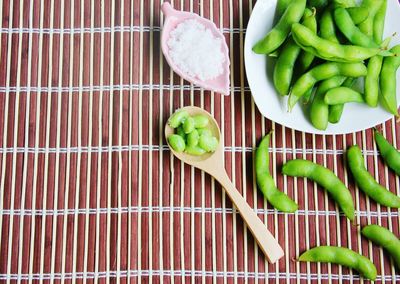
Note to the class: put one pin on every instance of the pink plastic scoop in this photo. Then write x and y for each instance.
(219, 84)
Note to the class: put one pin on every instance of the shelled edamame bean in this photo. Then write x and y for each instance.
(192, 135)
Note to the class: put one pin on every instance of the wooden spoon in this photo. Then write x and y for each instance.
(213, 164)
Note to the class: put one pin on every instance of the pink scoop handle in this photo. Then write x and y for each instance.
(219, 84)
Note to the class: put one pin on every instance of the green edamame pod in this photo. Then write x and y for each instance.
(371, 86)
(344, 3)
(323, 72)
(332, 51)
(342, 95)
(366, 182)
(388, 81)
(373, 6)
(342, 256)
(351, 31)
(319, 111)
(317, 3)
(327, 26)
(208, 143)
(283, 71)
(284, 67)
(265, 182)
(192, 138)
(324, 177)
(309, 21)
(358, 14)
(200, 121)
(278, 34)
(177, 118)
(188, 125)
(385, 238)
(388, 152)
(281, 7)
(176, 142)
(379, 22)
(335, 111)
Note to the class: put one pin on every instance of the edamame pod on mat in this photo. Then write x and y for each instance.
(366, 182)
(278, 34)
(265, 182)
(388, 152)
(324, 177)
(342, 256)
(385, 238)
(332, 51)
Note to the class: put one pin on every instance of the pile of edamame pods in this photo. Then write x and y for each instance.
(342, 196)
(322, 47)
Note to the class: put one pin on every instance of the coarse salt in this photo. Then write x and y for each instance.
(195, 50)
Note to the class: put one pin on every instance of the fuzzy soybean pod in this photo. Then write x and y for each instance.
(366, 182)
(342, 95)
(281, 7)
(265, 182)
(342, 256)
(358, 14)
(332, 51)
(335, 111)
(309, 21)
(371, 84)
(278, 34)
(319, 110)
(284, 67)
(379, 22)
(351, 31)
(327, 26)
(324, 177)
(384, 238)
(388, 81)
(323, 72)
(388, 152)
(373, 6)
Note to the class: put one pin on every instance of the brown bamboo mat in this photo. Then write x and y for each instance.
(89, 190)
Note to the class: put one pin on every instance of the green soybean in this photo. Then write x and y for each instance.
(344, 3)
(192, 138)
(379, 22)
(200, 121)
(366, 182)
(323, 72)
(208, 143)
(324, 177)
(388, 152)
(332, 51)
(278, 34)
(281, 7)
(327, 26)
(371, 87)
(342, 95)
(373, 7)
(204, 131)
(188, 125)
(177, 118)
(181, 132)
(176, 142)
(351, 31)
(265, 182)
(342, 256)
(335, 111)
(195, 151)
(388, 97)
(309, 21)
(384, 238)
(319, 110)
(358, 14)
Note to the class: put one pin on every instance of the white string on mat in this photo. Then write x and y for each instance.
(183, 209)
(93, 30)
(196, 273)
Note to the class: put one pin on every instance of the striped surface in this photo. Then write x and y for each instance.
(89, 190)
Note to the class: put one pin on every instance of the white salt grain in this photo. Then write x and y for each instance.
(195, 50)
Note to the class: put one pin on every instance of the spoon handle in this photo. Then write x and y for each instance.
(268, 244)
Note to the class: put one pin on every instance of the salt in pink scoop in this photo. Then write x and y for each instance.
(219, 84)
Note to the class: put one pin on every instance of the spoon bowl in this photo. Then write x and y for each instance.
(213, 164)
(219, 84)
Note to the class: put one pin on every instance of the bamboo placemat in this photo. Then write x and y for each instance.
(89, 190)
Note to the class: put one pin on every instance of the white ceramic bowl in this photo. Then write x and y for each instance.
(259, 69)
